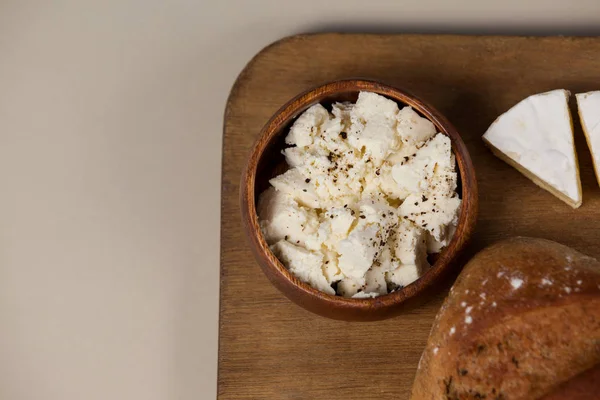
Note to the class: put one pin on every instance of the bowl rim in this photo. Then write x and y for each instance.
(294, 107)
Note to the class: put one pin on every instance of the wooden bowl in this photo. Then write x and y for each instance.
(266, 161)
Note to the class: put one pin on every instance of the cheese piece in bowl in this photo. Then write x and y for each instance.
(536, 137)
(370, 191)
(588, 105)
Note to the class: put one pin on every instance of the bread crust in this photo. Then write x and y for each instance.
(522, 319)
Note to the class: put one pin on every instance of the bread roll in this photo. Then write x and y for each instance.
(521, 321)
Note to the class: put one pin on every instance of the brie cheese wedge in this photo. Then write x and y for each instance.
(536, 137)
(588, 105)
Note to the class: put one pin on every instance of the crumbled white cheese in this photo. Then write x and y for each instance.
(410, 244)
(416, 174)
(375, 118)
(343, 215)
(331, 271)
(359, 250)
(387, 260)
(365, 295)
(283, 218)
(375, 280)
(433, 213)
(307, 126)
(304, 264)
(404, 275)
(294, 184)
(412, 128)
(348, 287)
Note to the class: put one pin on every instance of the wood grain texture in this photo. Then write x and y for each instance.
(267, 161)
(269, 348)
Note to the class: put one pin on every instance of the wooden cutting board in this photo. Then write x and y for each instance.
(270, 348)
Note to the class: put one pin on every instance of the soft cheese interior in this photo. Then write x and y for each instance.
(370, 191)
(536, 136)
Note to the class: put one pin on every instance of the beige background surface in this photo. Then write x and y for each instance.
(110, 137)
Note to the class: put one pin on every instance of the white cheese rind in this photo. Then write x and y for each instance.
(537, 135)
(588, 105)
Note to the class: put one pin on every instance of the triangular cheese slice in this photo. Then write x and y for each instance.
(536, 138)
(588, 105)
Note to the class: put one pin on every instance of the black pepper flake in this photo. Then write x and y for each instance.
(304, 190)
(382, 243)
(327, 262)
(331, 216)
(416, 203)
(286, 237)
(345, 205)
(378, 171)
(362, 217)
(423, 198)
(384, 215)
(330, 156)
(406, 158)
(350, 166)
(297, 241)
(335, 180)
(352, 212)
(343, 135)
(307, 180)
(425, 225)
